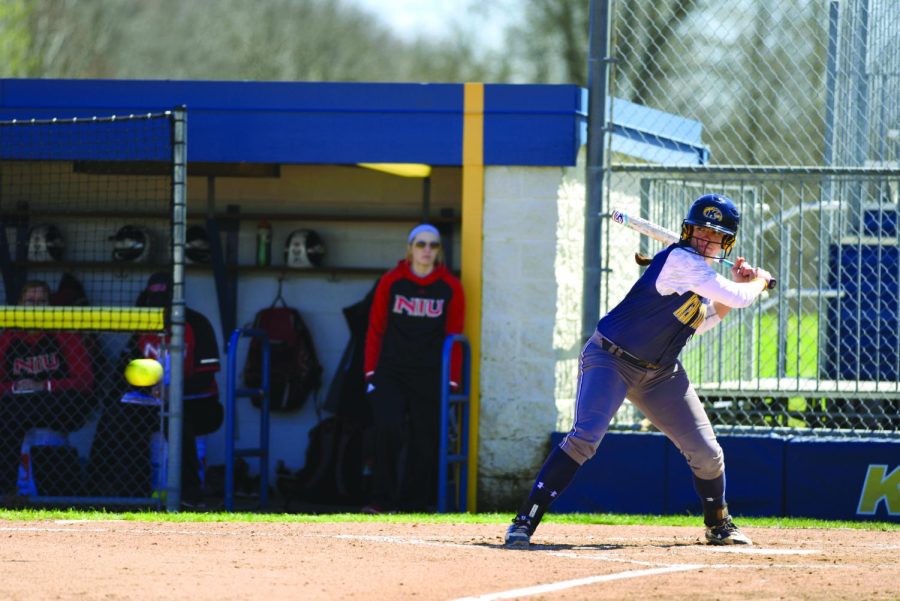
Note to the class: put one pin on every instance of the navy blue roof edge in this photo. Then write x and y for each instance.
(328, 122)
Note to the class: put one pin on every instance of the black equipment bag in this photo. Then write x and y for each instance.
(333, 472)
(294, 368)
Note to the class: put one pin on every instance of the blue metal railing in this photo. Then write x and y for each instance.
(231, 394)
(455, 416)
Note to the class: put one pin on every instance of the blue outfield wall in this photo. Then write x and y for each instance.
(643, 473)
(844, 479)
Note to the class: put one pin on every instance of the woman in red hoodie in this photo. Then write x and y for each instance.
(416, 306)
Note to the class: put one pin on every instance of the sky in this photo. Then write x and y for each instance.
(409, 18)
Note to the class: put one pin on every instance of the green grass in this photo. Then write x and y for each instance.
(801, 344)
(801, 349)
(429, 518)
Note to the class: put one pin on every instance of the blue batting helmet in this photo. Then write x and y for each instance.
(717, 213)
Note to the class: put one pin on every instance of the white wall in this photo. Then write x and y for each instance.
(320, 302)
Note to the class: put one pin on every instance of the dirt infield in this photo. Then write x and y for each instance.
(113, 560)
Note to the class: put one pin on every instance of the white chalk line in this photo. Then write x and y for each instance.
(402, 540)
(709, 565)
(48, 529)
(134, 531)
(567, 584)
(399, 540)
(744, 550)
(657, 569)
(612, 558)
(391, 539)
(578, 582)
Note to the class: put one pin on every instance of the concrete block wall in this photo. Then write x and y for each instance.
(533, 237)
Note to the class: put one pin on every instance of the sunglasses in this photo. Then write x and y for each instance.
(433, 245)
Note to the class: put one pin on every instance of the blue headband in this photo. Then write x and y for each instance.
(423, 228)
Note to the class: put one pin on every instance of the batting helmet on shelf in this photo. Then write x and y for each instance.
(45, 243)
(303, 249)
(717, 213)
(131, 244)
(196, 245)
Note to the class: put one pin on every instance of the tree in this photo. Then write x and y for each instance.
(750, 71)
(15, 38)
(549, 44)
(273, 40)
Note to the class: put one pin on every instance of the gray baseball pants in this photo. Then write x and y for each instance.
(664, 395)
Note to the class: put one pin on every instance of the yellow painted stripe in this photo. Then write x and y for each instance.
(472, 247)
(130, 319)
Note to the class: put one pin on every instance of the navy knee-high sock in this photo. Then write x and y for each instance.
(712, 493)
(558, 471)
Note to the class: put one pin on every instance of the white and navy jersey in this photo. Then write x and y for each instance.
(655, 325)
(669, 303)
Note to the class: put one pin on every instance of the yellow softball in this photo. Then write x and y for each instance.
(143, 372)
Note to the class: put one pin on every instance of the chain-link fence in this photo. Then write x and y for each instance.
(792, 82)
(87, 215)
(798, 104)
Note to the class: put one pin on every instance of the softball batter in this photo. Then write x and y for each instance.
(634, 354)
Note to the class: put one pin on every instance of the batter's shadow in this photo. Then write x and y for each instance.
(589, 546)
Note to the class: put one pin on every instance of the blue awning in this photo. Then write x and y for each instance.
(350, 123)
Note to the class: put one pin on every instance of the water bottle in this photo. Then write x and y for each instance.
(264, 244)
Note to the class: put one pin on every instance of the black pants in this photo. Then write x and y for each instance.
(61, 411)
(406, 412)
(120, 453)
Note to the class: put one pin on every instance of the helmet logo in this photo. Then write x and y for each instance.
(712, 213)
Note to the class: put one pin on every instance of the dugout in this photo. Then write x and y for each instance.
(504, 181)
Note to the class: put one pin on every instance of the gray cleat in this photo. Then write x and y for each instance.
(726, 533)
(518, 535)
